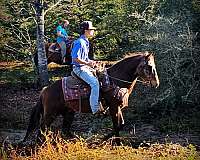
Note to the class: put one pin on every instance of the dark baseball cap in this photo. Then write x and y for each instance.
(87, 25)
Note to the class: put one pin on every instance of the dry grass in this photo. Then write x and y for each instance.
(58, 149)
(13, 64)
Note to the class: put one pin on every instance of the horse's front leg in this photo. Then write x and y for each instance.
(117, 120)
(116, 130)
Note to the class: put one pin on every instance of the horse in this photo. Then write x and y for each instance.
(53, 53)
(117, 83)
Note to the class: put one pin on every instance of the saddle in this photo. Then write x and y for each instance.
(74, 88)
(75, 82)
(55, 48)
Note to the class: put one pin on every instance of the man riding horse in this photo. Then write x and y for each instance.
(58, 52)
(82, 64)
(121, 76)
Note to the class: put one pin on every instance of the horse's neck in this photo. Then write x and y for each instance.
(124, 73)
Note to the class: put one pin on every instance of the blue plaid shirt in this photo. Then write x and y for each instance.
(80, 50)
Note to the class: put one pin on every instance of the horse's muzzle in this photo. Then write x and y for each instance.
(155, 83)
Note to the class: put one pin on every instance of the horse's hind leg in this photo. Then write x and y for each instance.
(45, 124)
(68, 117)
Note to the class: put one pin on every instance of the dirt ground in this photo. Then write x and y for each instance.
(17, 101)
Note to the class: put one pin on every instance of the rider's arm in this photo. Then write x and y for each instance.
(90, 63)
(59, 34)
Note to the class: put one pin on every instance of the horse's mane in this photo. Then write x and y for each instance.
(133, 54)
(127, 56)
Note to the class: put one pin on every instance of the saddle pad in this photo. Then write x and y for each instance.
(76, 92)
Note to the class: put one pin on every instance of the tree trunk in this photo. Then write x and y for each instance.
(42, 60)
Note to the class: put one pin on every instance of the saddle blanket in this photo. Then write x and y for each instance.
(74, 89)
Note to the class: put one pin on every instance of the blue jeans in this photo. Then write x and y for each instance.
(85, 73)
(63, 48)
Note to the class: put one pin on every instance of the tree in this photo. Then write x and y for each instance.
(40, 7)
(42, 60)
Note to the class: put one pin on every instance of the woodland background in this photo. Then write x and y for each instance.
(169, 28)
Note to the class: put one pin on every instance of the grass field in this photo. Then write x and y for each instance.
(57, 149)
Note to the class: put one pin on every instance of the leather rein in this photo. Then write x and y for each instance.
(121, 80)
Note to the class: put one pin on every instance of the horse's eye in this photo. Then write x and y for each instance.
(148, 70)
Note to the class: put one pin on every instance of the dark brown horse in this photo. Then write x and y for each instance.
(53, 54)
(117, 85)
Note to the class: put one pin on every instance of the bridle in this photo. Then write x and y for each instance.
(138, 70)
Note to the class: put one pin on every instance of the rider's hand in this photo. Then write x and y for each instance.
(90, 64)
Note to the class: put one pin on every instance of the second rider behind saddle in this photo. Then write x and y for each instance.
(62, 37)
(82, 64)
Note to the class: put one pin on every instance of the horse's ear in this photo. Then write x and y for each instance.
(147, 55)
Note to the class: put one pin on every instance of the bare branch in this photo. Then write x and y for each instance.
(34, 13)
(12, 49)
(51, 7)
(20, 33)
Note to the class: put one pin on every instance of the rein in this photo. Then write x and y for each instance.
(121, 80)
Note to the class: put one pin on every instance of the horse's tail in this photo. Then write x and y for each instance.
(34, 123)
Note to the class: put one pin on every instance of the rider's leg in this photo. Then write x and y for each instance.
(85, 74)
(63, 49)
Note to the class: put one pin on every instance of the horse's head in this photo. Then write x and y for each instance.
(147, 70)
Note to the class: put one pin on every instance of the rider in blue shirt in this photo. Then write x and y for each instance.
(82, 64)
(80, 51)
(62, 36)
